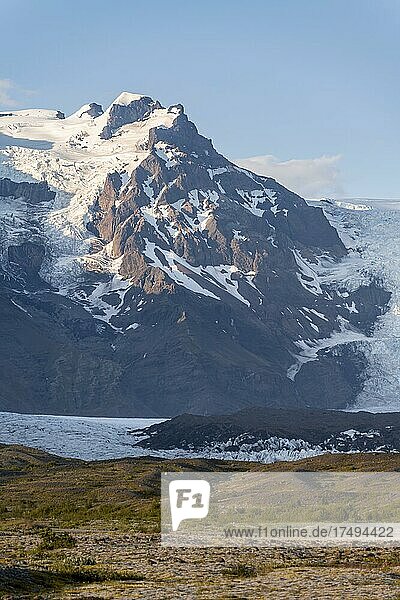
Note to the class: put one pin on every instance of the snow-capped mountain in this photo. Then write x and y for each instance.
(144, 274)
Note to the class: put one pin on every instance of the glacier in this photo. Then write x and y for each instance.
(87, 438)
(369, 228)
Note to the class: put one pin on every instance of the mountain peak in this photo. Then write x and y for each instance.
(91, 110)
(128, 108)
(126, 98)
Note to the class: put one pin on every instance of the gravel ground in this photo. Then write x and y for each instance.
(172, 573)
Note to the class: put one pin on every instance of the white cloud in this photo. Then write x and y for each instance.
(311, 178)
(12, 95)
(7, 88)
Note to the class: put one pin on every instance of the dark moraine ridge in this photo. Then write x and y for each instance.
(313, 426)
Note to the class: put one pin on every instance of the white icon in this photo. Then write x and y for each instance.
(189, 499)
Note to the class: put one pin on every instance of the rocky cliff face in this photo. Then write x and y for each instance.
(145, 274)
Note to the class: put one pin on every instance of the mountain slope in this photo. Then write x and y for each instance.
(144, 274)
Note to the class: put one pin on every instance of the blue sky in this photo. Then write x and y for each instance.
(310, 86)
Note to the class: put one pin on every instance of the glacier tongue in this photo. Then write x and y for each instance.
(371, 228)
